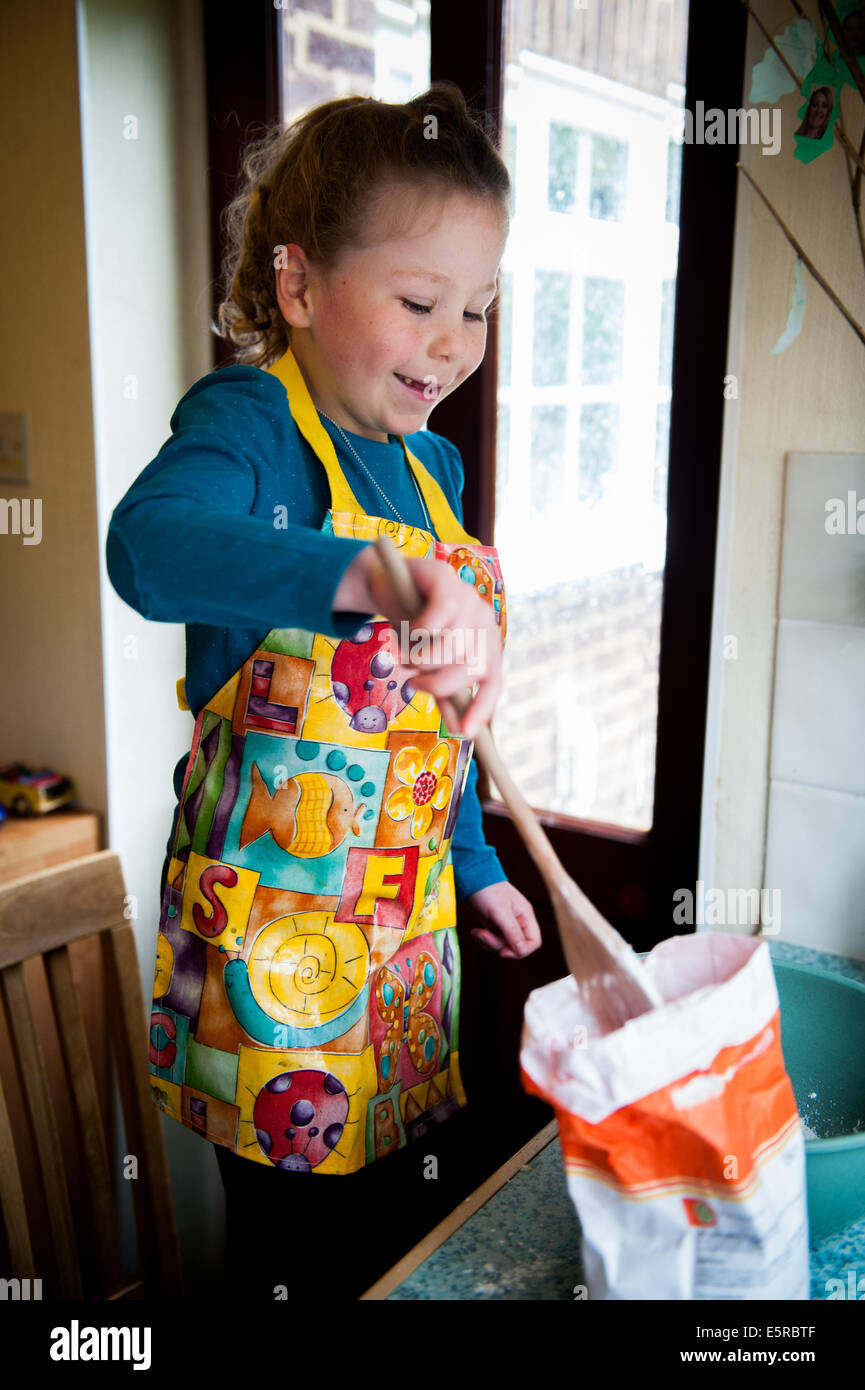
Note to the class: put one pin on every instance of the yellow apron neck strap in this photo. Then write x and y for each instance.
(447, 528)
(305, 415)
(342, 499)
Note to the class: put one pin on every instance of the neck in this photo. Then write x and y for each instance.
(378, 439)
(318, 399)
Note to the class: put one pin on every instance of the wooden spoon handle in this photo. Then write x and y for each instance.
(576, 915)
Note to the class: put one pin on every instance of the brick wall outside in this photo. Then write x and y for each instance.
(581, 664)
(329, 48)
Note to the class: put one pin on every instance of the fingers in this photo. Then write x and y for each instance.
(478, 714)
(491, 942)
(453, 643)
(528, 925)
(513, 930)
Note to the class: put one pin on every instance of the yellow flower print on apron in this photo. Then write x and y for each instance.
(307, 981)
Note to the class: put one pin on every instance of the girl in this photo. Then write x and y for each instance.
(306, 991)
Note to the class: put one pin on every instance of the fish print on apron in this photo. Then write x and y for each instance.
(307, 980)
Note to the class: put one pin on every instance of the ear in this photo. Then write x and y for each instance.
(292, 284)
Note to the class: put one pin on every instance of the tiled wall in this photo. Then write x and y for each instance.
(808, 399)
(815, 849)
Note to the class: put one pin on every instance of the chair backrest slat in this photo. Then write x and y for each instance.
(82, 1086)
(12, 1204)
(40, 1108)
(40, 916)
(60, 905)
(130, 1021)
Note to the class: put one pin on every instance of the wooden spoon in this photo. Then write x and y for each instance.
(610, 976)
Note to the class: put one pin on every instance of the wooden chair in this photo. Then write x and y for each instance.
(43, 916)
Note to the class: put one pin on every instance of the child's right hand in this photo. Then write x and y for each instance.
(461, 641)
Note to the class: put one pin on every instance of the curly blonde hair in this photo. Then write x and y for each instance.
(315, 183)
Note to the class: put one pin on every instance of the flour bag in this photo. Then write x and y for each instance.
(683, 1148)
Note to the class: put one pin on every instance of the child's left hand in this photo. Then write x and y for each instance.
(515, 932)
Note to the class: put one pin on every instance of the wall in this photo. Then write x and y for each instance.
(50, 639)
(807, 399)
(145, 170)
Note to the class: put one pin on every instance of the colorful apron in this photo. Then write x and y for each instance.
(307, 980)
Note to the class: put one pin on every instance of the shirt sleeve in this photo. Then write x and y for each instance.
(184, 544)
(476, 864)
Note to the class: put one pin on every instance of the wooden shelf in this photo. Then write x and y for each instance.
(29, 844)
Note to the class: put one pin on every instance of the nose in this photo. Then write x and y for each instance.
(449, 341)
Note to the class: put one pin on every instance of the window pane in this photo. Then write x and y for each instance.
(503, 431)
(662, 444)
(674, 181)
(599, 428)
(665, 352)
(562, 168)
(609, 175)
(509, 151)
(548, 457)
(552, 327)
(581, 523)
(603, 325)
(505, 319)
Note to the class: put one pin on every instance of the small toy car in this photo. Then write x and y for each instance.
(28, 793)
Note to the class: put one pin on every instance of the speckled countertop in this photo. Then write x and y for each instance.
(524, 1243)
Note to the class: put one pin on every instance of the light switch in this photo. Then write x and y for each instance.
(14, 462)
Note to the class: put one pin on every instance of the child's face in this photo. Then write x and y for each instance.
(379, 316)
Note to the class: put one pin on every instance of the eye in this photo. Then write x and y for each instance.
(475, 318)
(416, 308)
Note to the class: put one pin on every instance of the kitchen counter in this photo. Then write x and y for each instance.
(518, 1237)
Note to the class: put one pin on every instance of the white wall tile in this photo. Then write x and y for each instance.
(822, 575)
(817, 729)
(815, 854)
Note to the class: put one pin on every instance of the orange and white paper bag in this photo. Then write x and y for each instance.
(683, 1148)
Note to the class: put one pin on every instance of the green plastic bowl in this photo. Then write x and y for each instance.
(823, 1040)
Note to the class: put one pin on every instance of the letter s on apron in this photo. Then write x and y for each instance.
(307, 981)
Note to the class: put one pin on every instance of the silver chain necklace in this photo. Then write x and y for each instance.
(375, 481)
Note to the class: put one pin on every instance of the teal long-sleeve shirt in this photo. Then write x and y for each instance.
(193, 541)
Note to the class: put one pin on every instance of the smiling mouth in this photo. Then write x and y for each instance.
(436, 387)
(411, 381)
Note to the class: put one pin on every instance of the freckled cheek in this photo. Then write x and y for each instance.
(475, 357)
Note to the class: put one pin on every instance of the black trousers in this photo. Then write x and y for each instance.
(298, 1235)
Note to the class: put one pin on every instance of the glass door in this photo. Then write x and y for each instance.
(592, 432)
(585, 357)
